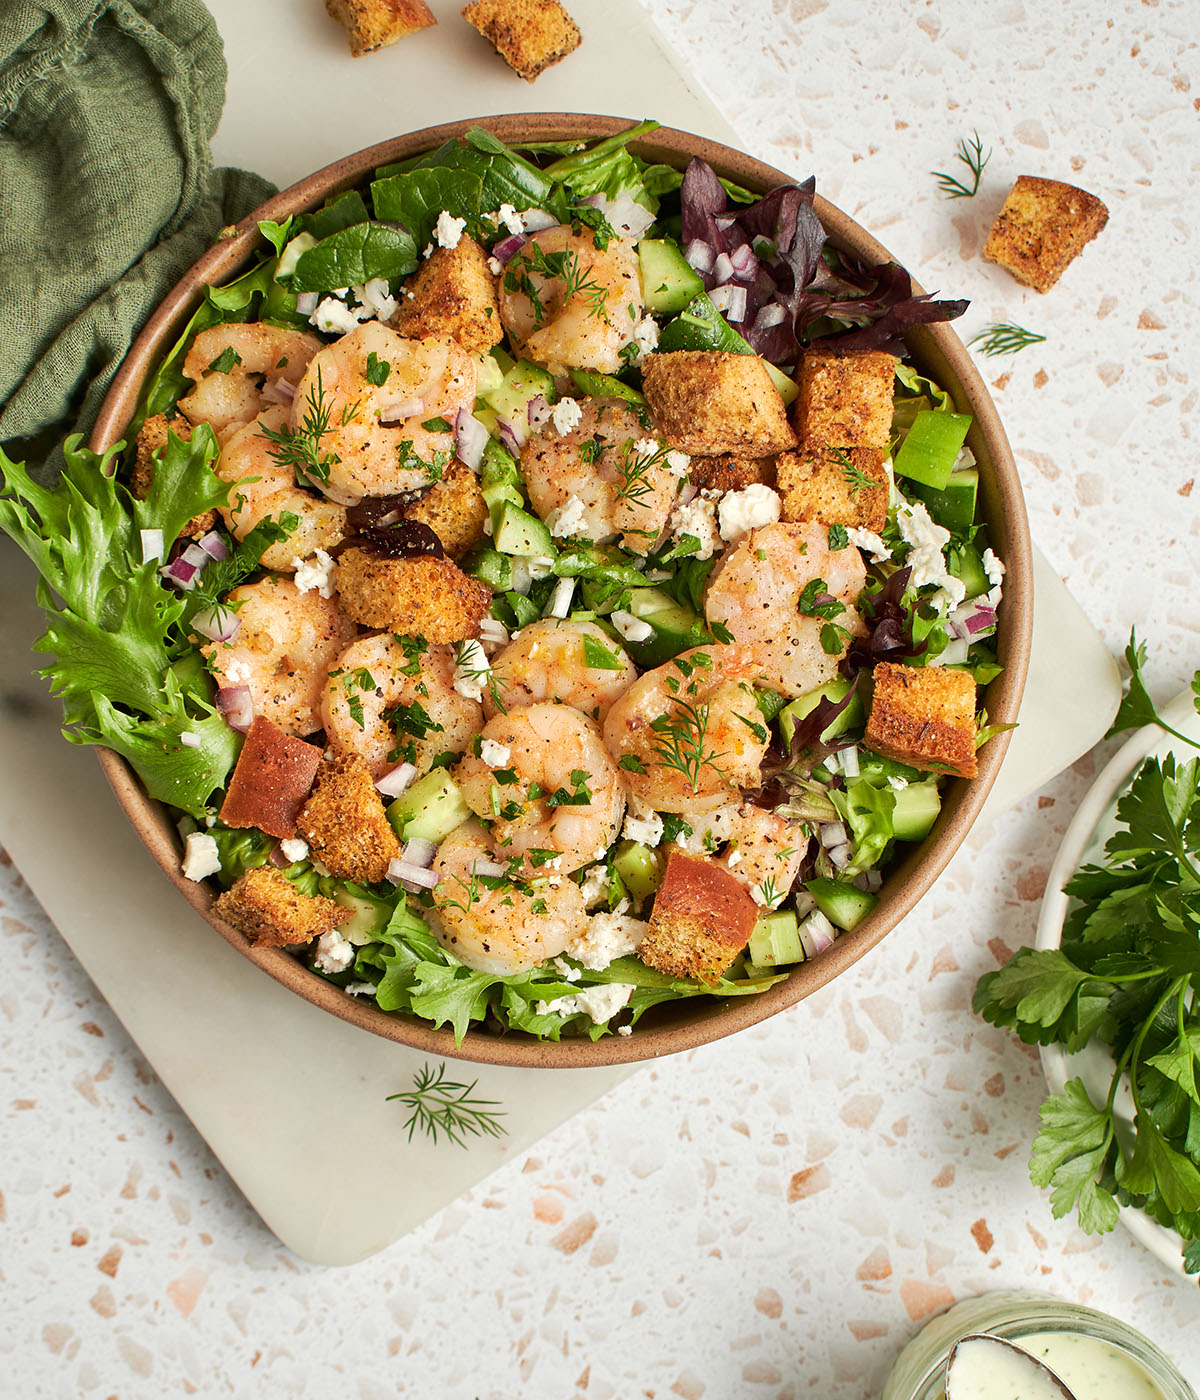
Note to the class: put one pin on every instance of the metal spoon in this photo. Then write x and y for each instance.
(1033, 1378)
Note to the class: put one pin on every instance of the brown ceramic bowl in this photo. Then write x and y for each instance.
(681, 1025)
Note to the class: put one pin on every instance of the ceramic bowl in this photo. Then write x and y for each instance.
(935, 349)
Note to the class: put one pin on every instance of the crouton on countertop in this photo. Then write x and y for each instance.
(1043, 226)
(426, 596)
(710, 403)
(453, 508)
(728, 473)
(924, 716)
(834, 485)
(373, 24)
(452, 296)
(845, 400)
(703, 917)
(270, 780)
(345, 824)
(529, 35)
(151, 439)
(270, 911)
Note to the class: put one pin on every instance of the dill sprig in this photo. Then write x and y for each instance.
(446, 1107)
(495, 686)
(1004, 338)
(563, 266)
(635, 468)
(854, 475)
(679, 736)
(300, 448)
(972, 156)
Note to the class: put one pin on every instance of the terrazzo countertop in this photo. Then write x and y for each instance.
(772, 1215)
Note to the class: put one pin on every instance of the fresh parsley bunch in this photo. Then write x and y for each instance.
(1124, 975)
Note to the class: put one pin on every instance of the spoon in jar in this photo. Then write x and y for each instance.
(982, 1367)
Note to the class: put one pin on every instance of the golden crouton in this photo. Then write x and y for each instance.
(731, 473)
(270, 781)
(264, 905)
(712, 402)
(925, 717)
(1042, 227)
(345, 824)
(452, 297)
(426, 596)
(151, 439)
(373, 24)
(454, 509)
(845, 400)
(529, 35)
(703, 917)
(834, 485)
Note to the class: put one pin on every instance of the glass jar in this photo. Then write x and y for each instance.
(920, 1369)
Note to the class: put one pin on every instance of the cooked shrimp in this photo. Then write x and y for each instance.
(755, 592)
(614, 467)
(283, 649)
(505, 930)
(588, 300)
(372, 440)
(559, 750)
(389, 705)
(262, 359)
(548, 661)
(694, 727)
(765, 852)
(263, 486)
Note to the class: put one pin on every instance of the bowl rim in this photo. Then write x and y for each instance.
(700, 1020)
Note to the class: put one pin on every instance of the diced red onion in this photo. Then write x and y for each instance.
(189, 740)
(509, 436)
(278, 391)
(508, 247)
(770, 315)
(420, 852)
(217, 624)
(470, 439)
(152, 545)
(840, 856)
(745, 261)
(700, 255)
(538, 411)
(688, 492)
(400, 412)
(306, 303)
(237, 705)
(730, 300)
(832, 834)
(723, 268)
(180, 573)
(197, 557)
(393, 782)
(627, 216)
(984, 620)
(278, 859)
(804, 902)
(816, 934)
(848, 758)
(492, 631)
(213, 544)
(954, 653)
(725, 222)
(869, 880)
(403, 872)
(488, 867)
(536, 219)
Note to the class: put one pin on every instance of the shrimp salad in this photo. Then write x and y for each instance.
(540, 585)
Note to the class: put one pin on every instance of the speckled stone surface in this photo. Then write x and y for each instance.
(773, 1215)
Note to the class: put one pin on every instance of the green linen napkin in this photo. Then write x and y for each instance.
(107, 192)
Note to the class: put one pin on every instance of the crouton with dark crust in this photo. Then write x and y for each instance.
(271, 912)
(425, 596)
(924, 716)
(270, 780)
(452, 297)
(702, 919)
(151, 439)
(345, 824)
(845, 400)
(834, 485)
(454, 509)
(529, 35)
(1043, 226)
(373, 24)
(729, 473)
(710, 403)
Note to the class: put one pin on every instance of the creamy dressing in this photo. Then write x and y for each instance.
(983, 1368)
(1091, 1369)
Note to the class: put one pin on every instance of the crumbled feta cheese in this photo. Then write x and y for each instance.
(606, 938)
(294, 848)
(334, 953)
(492, 632)
(493, 754)
(866, 539)
(568, 519)
(742, 511)
(376, 298)
(646, 447)
(594, 886)
(633, 629)
(509, 217)
(316, 572)
(495, 266)
(624, 1030)
(926, 542)
(565, 415)
(648, 828)
(200, 856)
(427, 251)
(471, 670)
(645, 337)
(334, 316)
(678, 463)
(698, 518)
(237, 672)
(965, 459)
(993, 567)
(448, 230)
(566, 971)
(600, 1003)
(734, 857)
(709, 830)
(899, 784)
(359, 989)
(560, 600)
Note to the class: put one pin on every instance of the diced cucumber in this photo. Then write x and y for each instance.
(430, 809)
(499, 465)
(789, 390)
(640, 869)
(916, 810)
(491, 567)
(368, 917)
(515, 531)
(489, 372)
(676, 628)
(292, 252)
(279, 305)
(835, 690)
(953, 507)
(669, 282)
(843, 905)
(523, 382)
(775, 941)
(966, 563)
(879, 769)
(604, 386)
(931, 446)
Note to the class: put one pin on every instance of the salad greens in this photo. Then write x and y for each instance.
(1125, 975)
